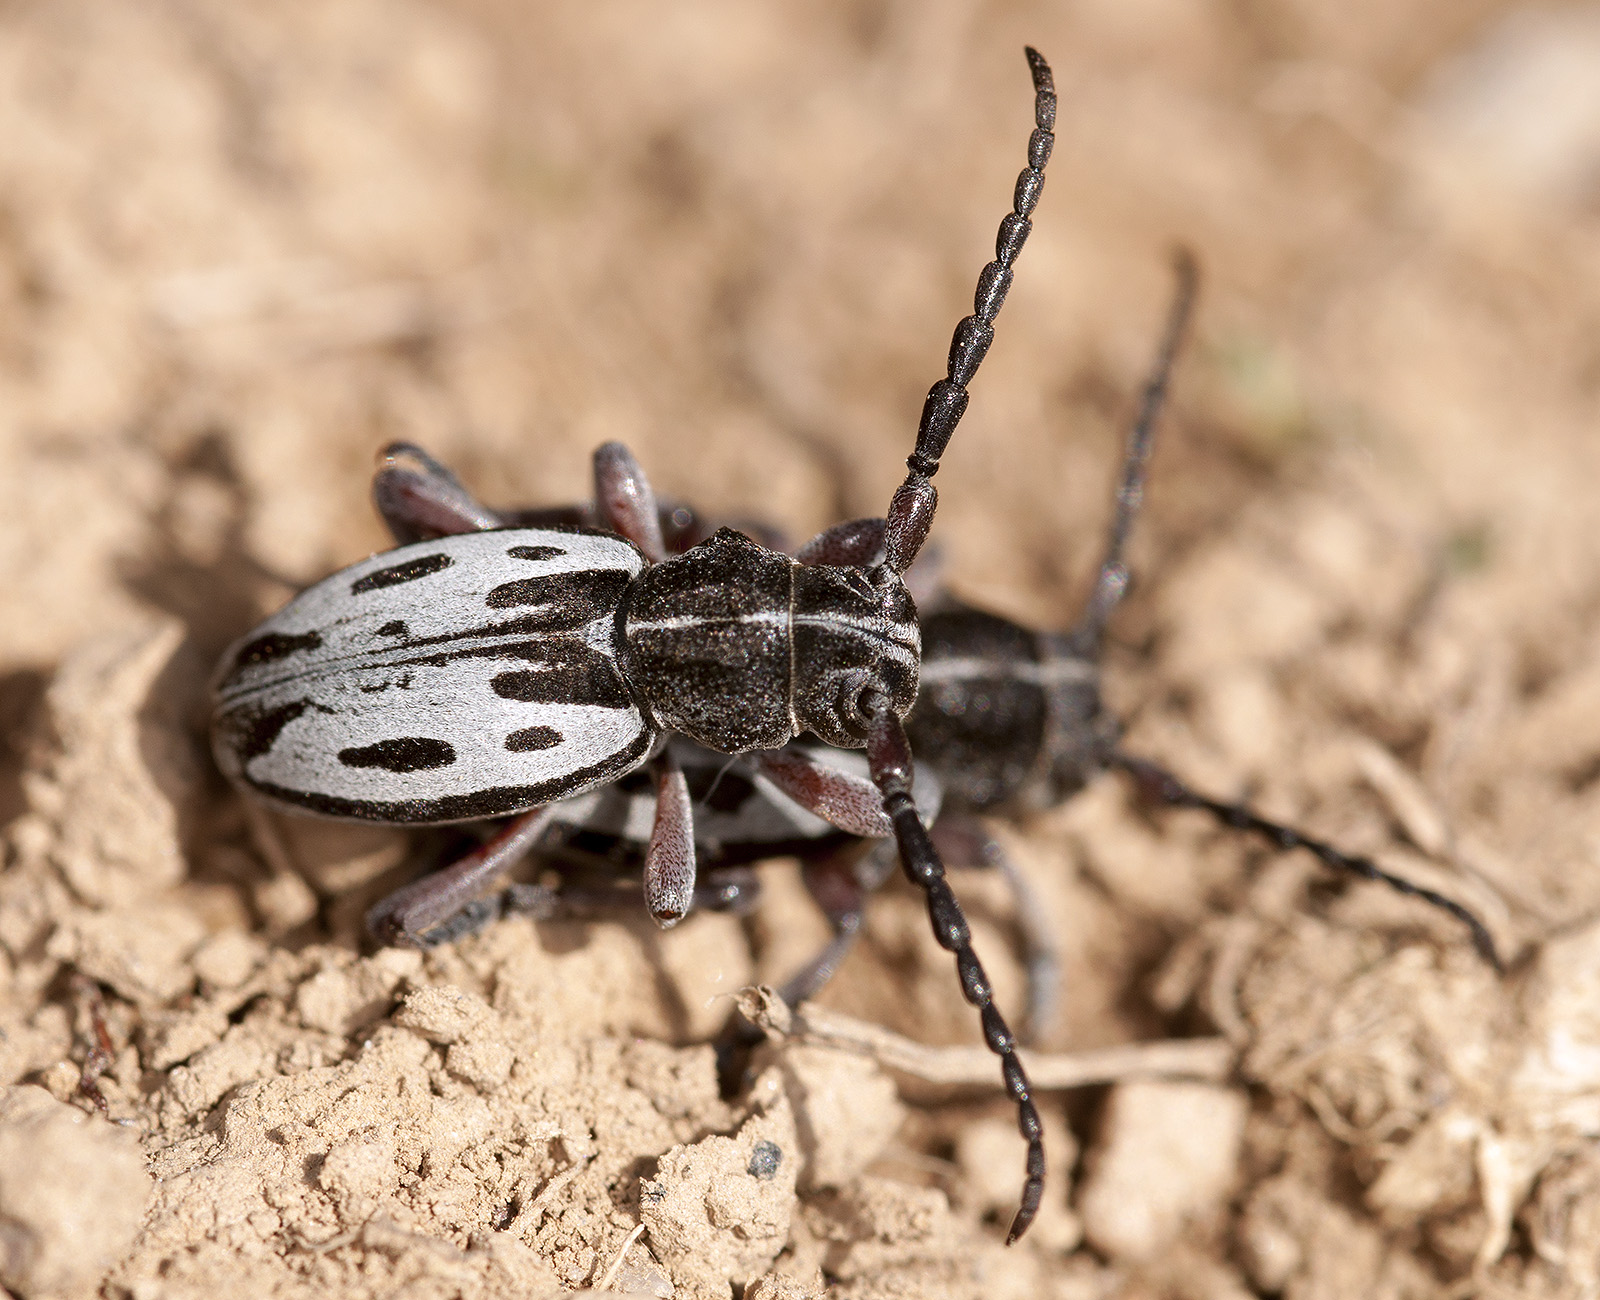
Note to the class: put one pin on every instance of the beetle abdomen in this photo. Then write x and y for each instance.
(981, 706)
(464, 677)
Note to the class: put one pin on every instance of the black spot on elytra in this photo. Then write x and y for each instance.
(273, 646)
(395, 574)
(250, 733)
(532, 738)
(564, 600)
(403, 754)
(564, 674)
(395, 627)
(535, 552)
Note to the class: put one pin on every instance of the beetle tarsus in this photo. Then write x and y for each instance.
(407, 916)
(418, 498)
(669, 865)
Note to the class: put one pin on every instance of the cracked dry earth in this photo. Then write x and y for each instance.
(242, 247)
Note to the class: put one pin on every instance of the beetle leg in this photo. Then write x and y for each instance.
(839, 882)
(549, 517)
(669, 866)
(965, 841)
(833, 881)
(407, 915)
(857, 542)
(848, 802)
(420, 499)
(735, 890)
(480, 913)
(624, 500)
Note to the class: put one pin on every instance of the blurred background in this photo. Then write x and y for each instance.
(241, 247)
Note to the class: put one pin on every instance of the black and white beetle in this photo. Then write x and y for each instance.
(484, 673)
(598, 839)
(1008, 720)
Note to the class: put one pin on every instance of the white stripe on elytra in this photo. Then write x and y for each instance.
(358, 653)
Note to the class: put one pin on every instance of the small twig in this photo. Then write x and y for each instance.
(1409, 802)
(338, 1241)
(622, 1253)
(535, 1210)
(1179, 1058)
(100, 1054)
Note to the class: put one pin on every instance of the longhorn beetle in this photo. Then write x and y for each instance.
(484, 673)
(1008, 719)
(740, 816)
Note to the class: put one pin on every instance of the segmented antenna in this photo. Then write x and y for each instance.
(911, 510)
(1159, 784)
(905, 529)
(1112, 582)
(889, 759)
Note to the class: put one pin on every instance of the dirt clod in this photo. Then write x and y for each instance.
(73, 1191)
(718, 1210)
(1166, 1154)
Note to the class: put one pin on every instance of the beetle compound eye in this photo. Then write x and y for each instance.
(861, 584)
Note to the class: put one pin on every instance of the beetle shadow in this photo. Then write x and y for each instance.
(198, 569)
(207, 585)
(559, 938)
(21, 698)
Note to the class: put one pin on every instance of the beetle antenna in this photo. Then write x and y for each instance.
(1157, 783)
(911, 510)
(1113, 579)
(889, 758)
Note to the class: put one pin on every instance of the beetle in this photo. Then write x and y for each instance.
(487, 672)
(1008, 720)
(600, 837)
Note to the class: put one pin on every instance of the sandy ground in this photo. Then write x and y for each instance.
(243, 246)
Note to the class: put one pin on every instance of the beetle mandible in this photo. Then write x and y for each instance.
(491, 672)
